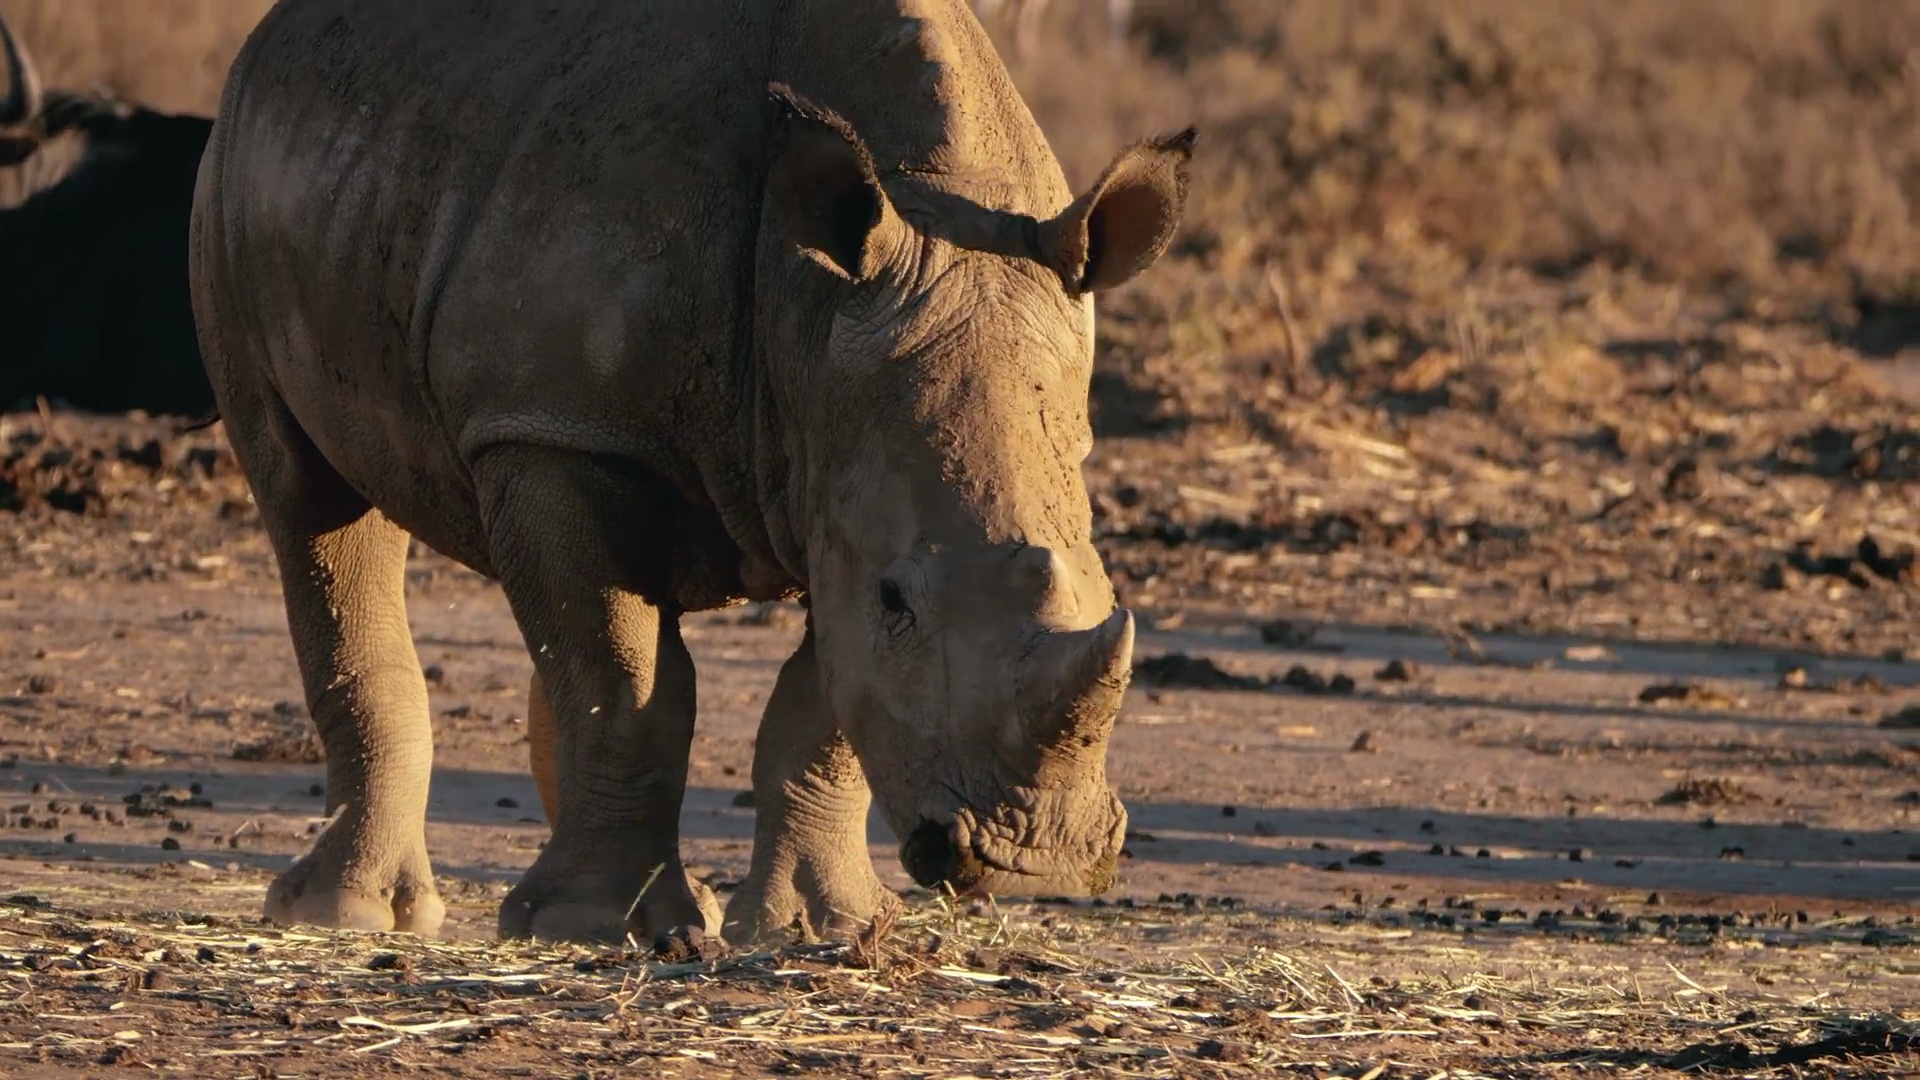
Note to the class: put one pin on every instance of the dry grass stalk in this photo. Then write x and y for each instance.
(960, 989)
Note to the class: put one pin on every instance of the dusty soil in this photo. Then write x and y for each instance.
(1422, 806)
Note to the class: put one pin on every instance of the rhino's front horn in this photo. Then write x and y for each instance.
(23, 83)
(1086, 672)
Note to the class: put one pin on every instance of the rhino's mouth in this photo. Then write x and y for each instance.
(1052, 842)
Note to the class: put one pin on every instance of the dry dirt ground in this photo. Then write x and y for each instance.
(1515, 465)
(1354, 845)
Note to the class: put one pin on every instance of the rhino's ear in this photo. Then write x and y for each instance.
(826, 190)
(1125, 221)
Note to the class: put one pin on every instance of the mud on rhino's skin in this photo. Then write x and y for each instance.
(584, 296)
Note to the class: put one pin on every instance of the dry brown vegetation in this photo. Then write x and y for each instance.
(1750, 150)
(949, 993)
(1597, 317)
(1607, 297)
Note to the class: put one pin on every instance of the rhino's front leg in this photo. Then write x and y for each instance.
(810, 859)
(542, 760)
(571, 544)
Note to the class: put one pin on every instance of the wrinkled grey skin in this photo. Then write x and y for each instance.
(569, 293)
(94, 200)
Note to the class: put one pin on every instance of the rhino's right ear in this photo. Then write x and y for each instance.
(826, 190)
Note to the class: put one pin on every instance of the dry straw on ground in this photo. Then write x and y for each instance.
(942, 993)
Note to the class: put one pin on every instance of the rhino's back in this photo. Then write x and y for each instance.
(468, 222)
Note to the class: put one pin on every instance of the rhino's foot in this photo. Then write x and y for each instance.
(359, 886)
(819, 897)
(554, 905)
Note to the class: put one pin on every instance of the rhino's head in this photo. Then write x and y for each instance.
(968, 638)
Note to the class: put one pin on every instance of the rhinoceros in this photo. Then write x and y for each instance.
(94, 199)
(642, 308)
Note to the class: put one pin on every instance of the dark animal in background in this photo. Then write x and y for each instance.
(95, 195)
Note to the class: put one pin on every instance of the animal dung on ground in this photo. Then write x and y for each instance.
(1299, 677)
(1676, 693)
(1284, 634)
(1398, 671)
(1906, 719)
(1191, 672)
(1186, 671)
(1706, 791)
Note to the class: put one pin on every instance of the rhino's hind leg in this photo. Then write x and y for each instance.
(570, 545)
(342, 570)
(810, 858)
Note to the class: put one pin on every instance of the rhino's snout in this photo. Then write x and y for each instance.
(963, 856)
(932, 856)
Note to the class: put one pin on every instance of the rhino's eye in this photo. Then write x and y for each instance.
(894, 612)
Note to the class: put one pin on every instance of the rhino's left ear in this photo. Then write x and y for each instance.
(826, 190)
(1125, 221)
